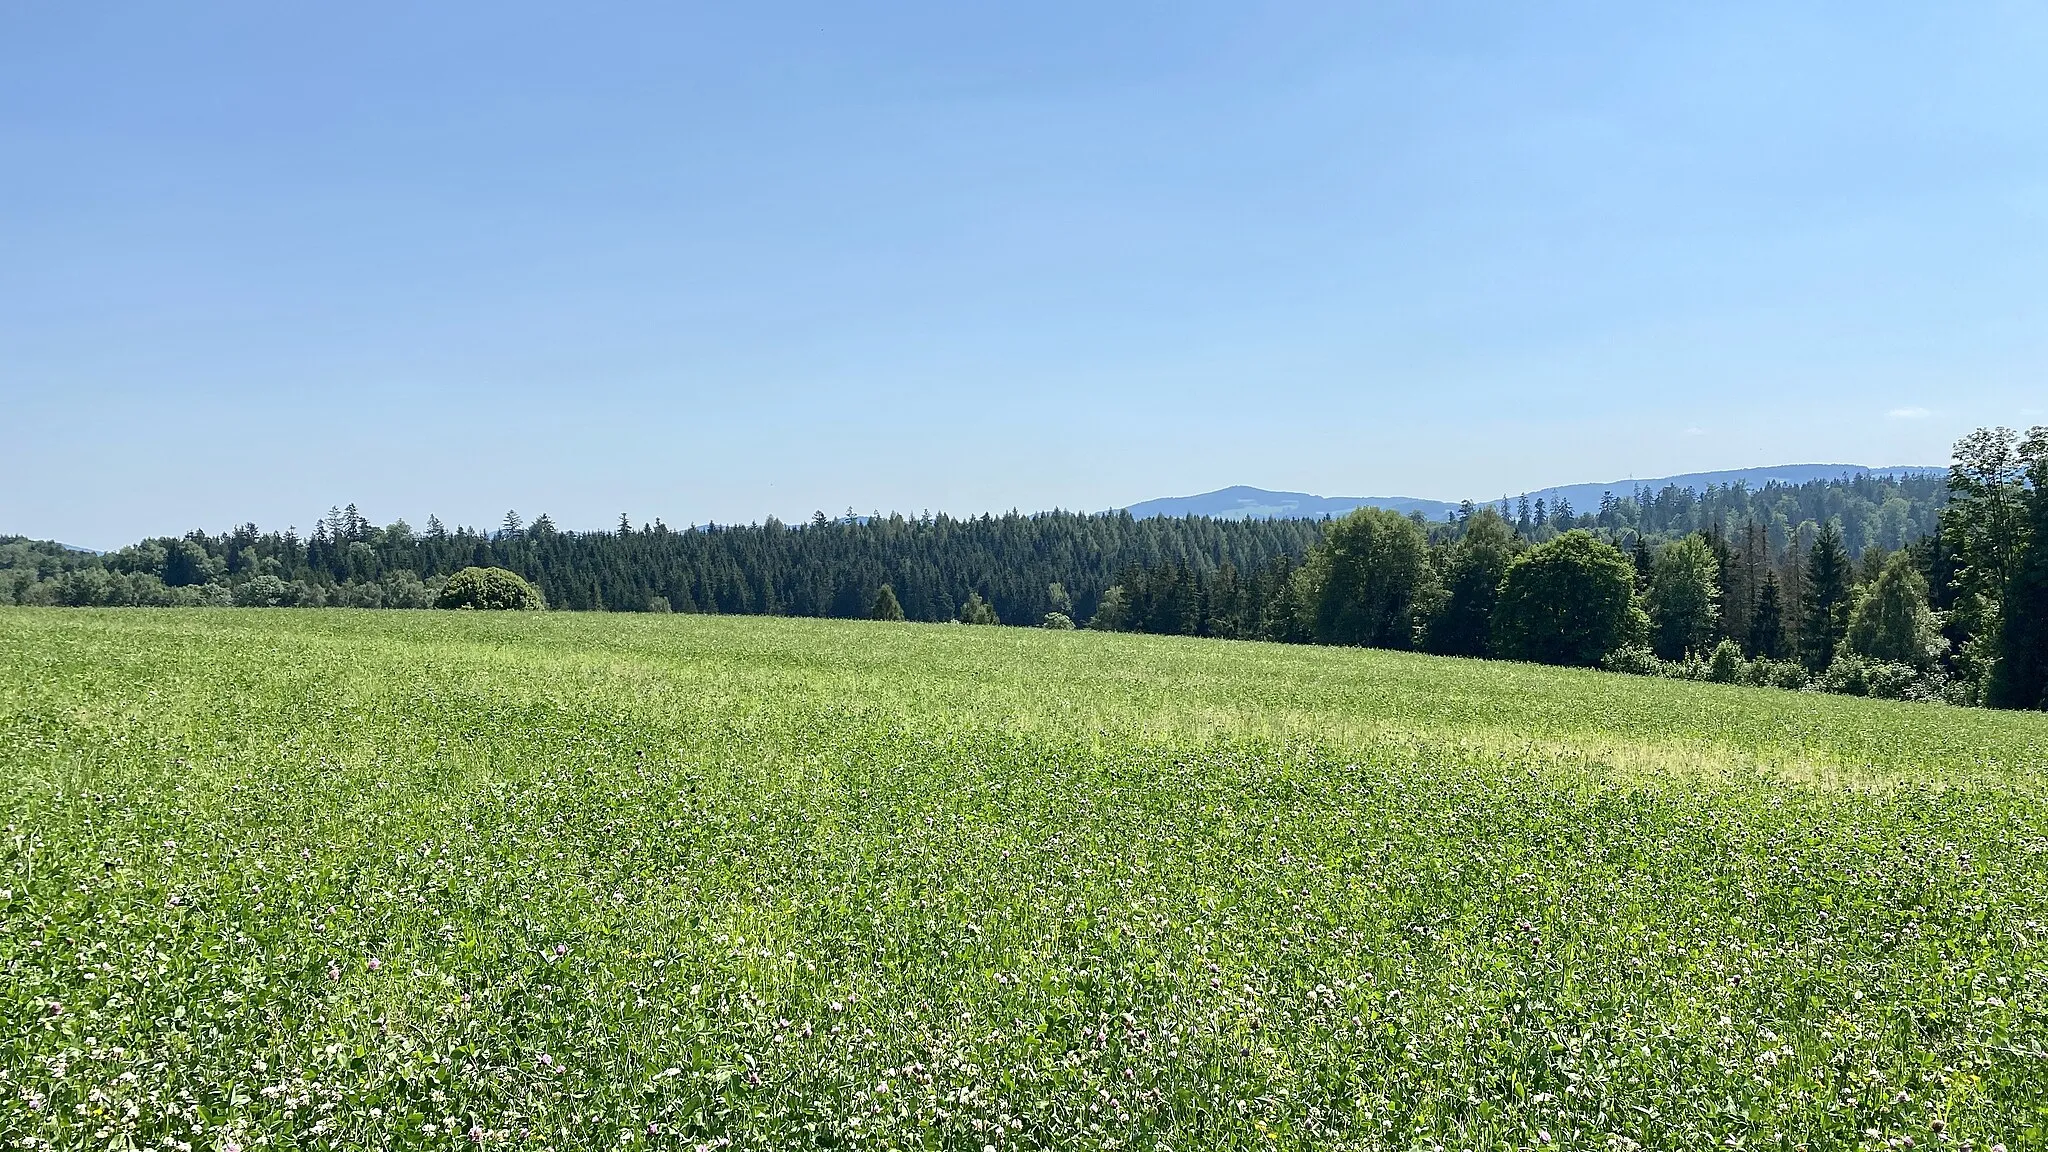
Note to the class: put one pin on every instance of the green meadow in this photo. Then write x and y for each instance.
(355, 880)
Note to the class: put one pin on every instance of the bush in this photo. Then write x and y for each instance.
(1693, 667)
(1636, 659)
(1764, 672)
(353, 595)
(1891, 680)
(1854, 675)
(1847, 675)
(404, 590)
(1725, 665)
(491, 589)
(1059, 622)
(887, 607)
(977, 611)
(263, 592)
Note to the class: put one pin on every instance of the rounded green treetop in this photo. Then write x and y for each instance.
(1568, 601)
(492, 589)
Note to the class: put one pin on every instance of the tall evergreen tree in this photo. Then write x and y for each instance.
(1824, 610)
(1766, 622)
(1733, 619)
(2020, 679)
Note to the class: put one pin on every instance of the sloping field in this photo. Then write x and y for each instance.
(375, 880)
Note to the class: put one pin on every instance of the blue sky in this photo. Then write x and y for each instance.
(742, 260)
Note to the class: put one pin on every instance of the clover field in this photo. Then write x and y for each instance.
(299, 879)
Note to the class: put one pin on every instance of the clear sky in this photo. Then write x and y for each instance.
(716, 262)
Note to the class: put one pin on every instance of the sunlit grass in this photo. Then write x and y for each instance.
(413, 879)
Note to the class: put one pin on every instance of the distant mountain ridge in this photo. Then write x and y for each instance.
(1240, 501)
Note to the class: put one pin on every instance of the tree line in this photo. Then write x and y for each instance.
(1899, 585)
(1957, 612)
(1004, 567)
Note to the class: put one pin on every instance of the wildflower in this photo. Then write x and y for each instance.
(561, 949)
(375, 964)
(476, 1134)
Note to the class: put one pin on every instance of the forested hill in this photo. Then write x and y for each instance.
(1244, 501)
(835, 567)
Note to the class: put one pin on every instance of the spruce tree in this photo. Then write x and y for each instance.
(1824, 609)
(2020, 679)
(1766, 622)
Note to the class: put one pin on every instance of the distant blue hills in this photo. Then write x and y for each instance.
(1241, 502)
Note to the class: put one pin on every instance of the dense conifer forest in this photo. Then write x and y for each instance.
(1019, 565)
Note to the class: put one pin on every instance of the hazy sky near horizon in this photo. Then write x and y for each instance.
(721, 262)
